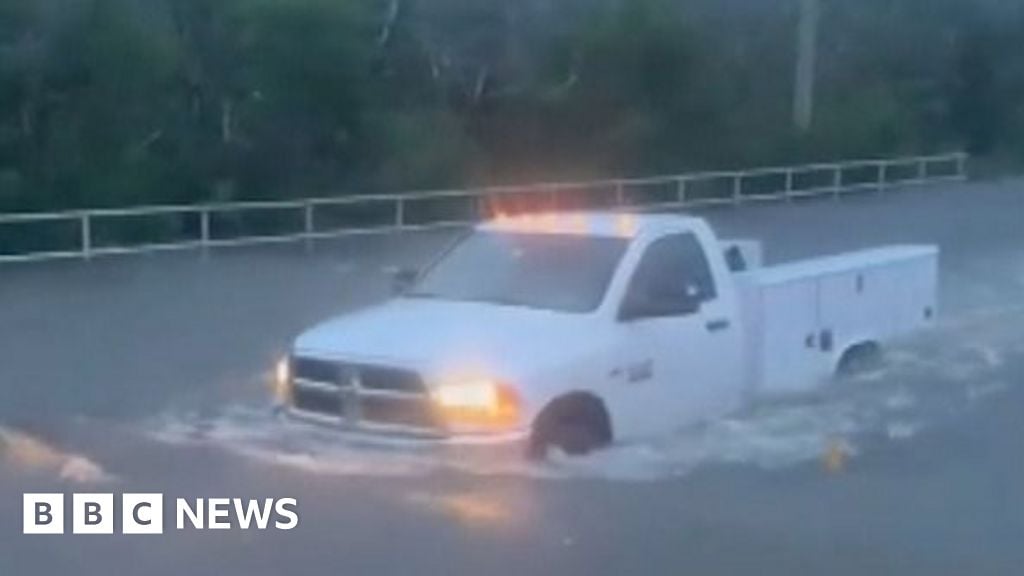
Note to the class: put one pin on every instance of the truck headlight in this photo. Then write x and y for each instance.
(283, 381)
(477, 404)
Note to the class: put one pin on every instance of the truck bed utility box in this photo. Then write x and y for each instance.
(803, 317)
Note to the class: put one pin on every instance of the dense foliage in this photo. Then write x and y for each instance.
(113, 102)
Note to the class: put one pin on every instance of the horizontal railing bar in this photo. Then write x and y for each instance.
(672, 204)
(389, 229)
(142, 248)
(808, 192)
(697, 202)
(856, 186)
(862, 164)
(763, 172)
(40, 256)
(258, 205)
(34, 217)
(141, 211)
(780, 195)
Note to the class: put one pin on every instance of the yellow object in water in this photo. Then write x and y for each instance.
(835, 456)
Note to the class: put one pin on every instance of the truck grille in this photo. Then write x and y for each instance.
(362, 394)
(317, 400)
(417, 413)
(370, 377)
(315, 370)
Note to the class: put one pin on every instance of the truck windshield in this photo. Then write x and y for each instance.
(560, 272)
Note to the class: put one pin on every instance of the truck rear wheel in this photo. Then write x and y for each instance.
(860, 359)
(577, 424)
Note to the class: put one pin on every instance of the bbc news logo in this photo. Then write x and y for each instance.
(144, 514)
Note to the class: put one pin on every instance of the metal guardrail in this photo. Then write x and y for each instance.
(88, 233)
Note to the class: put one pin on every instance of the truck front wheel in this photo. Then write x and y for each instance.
(576, 423)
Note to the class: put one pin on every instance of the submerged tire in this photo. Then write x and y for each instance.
(577, 424)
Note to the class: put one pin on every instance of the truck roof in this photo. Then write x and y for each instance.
(590, 223)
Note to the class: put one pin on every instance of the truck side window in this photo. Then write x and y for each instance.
(673, 269)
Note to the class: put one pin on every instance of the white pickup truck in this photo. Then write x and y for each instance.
(572, 330)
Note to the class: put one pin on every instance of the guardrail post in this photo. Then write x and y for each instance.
(789, 185)
(737, 188)
(307, 225)
(620, 194)
(86, 236)
(922, 170)
(837, 180)
(961, 166)
(882, 169)
(479, 204)
(681, 191)
(399, 213)
(204, 227)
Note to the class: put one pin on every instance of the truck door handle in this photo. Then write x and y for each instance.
(717, 324)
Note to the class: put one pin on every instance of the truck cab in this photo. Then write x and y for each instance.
(674, 329)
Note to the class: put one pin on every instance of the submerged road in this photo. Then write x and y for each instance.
(146, 374)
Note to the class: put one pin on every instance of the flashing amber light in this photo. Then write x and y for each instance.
(479, 404)
(576, 223)
(549, 222)
(540, 222)
(625, 225)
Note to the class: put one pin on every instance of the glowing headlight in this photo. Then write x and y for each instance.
(482, 394)
(477, 404)
(283, 380)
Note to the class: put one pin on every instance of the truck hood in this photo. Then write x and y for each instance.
(445, 337)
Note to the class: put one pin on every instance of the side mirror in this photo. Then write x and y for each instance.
(402, 279)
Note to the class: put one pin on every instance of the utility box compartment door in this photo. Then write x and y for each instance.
(790, 358)
(849, 309)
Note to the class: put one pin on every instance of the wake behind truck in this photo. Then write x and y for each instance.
(577, 330)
